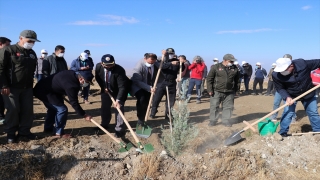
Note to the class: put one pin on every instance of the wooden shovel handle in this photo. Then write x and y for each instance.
(180, 70)
(283, 106)
(104, 130)
(155, 85)
(169, 108)
(297, 134)
(125, 120)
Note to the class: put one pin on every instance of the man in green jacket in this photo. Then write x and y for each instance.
(222, 84)
(17, 65)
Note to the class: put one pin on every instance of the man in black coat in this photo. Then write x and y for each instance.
(51, 92)
(112, 79)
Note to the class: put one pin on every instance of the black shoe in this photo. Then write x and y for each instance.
(120, 134)
(227, 124)
(48, 131)
(284, 135)
(212, 123)
(97, 128)
(27, 137)
(152, 116)
(11, 138)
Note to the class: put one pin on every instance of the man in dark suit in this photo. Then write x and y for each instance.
(112, 78)
(51, 92)
(143, 78)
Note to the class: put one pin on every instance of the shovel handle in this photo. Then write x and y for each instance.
(125, 120)
(104, 130)
(169, 108)
(297, 134)
(180, 71)
(152, 93)
(283, 106)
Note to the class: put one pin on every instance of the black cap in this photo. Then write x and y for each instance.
(107, 59)
(87, 51)
(170, 51)
(29, 34)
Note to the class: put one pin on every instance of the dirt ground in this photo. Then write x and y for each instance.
(91, 154)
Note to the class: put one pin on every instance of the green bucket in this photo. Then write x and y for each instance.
(267, 127)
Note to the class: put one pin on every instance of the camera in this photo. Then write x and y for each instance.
(198, 61)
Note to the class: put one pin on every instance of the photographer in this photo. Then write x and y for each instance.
(197, 68)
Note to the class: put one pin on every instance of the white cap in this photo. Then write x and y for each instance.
(244, 62)
(236, 63)
(282, 64)
(215, 59)
(43, 51)
(273, 64)
(258, 63)
(84, 55)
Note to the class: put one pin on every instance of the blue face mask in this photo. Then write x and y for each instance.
(257, 67)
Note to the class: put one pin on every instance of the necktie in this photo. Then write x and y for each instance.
(149, 76)
(107, 79)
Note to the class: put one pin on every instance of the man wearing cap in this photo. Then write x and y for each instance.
(51, 92)
(247, 73)
(291, 79)
(277, 100)
(196, 76)
(89, 56)
(57, 63)
(260, 74)
(270, 89)
(112, 79)
(169, 72)
(240, 69)
(43, 63)
(222, 83)
(143, 77)
(17, 65)
(215, 61)
(3, 43)
(84, 66)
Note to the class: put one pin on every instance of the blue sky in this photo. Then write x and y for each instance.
(251, 30)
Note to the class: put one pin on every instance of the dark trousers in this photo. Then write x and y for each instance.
(160, 92)
(143, 98)
(255, 82)
(85, 92)
(1, 108)
(106, 104)
(246, 80)
(227, 100)
(39, 77)
(19, 116)
(270, 88)
(57, 116)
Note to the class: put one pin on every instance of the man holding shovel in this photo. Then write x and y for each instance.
(291, 79)
(112, 79)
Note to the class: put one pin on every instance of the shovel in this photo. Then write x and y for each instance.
(143, 130)
(169, 109)
(298, 134)
(124, 147)
(147, 147)
(235, 137)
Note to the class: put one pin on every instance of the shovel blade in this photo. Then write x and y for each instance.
(235, 137)
(148, 148)
(125, 148)
(143, 131)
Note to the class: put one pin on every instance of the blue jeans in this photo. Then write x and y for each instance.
(183, 86)
(311, 108)
(276, 103)
(246, 80)
(56, 115)
(85, 92)
(39, 77)
(196, 82)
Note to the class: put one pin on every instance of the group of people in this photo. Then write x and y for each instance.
(19, 65)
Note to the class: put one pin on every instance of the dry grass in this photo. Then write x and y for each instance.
(146, 166)
(298, 174)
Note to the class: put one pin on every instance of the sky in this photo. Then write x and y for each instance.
(252, 30)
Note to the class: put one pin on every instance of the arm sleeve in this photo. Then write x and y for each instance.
(210, 80)
(137, 78)
(73, 66)
(205, 72)
(98, 78)
(122, 80)
(191, 66)
(185, 70)
(313, 64)
(4, 74)
(279, 87)
(72, 94)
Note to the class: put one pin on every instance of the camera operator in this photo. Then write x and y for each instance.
(197, 69)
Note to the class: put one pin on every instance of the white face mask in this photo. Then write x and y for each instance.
(215, 63)
(85, 84)
(148, 65)
(285, 73)
(82, 59)
(60, 55)
(229, 64)
(28, 45)
(171, 56)
(43, 55)
(273, 67)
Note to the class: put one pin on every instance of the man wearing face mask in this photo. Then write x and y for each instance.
(17, 65)
(143, 77)
(57, 63)
(291, 79)
(89, 56)
(247, 73)
(215, 61)
(240, 69)
(270, 89)
(222, 83)
(84, 66)
(51, 92)
(260, 73)
(169, 72)
(3, 43)
(112, 79)
(42, 62)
